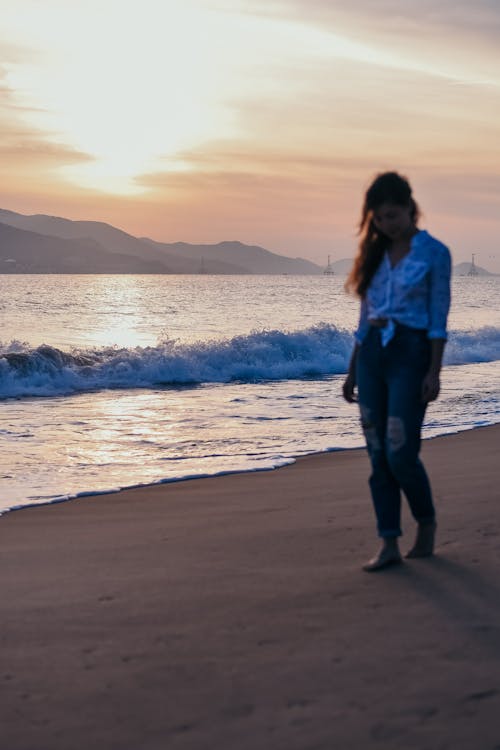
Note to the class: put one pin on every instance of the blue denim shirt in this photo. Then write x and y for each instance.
(416, 292)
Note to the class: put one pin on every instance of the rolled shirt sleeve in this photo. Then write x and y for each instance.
(439, 293)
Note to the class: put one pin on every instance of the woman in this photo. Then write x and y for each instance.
(402, 276)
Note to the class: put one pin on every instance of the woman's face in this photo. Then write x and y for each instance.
(393, 221)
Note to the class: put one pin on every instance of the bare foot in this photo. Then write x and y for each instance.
(424, 542)
(388, 555)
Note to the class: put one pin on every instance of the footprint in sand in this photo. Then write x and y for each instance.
(238, 712)
(481, 695)
(298, 703)
(180, 728)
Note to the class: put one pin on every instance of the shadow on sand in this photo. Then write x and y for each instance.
(463, 595)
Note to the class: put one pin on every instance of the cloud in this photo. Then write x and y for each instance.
(250, 179)
(338, 121)
(482, 17)
(306, 100)
(24, 149)
(456, 39)
(474, 193)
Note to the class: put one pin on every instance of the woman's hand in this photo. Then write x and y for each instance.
(350, 381)
(348, 389)
(430, 386)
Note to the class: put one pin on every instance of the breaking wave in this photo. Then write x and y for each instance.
(262, 355)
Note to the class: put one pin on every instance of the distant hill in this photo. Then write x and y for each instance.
(463, 269)
(249, 258)
(342, 267)
(92, 246)
(29, 252)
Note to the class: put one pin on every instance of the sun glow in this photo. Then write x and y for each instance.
(258, 119)
(134, 85)
(123, 85)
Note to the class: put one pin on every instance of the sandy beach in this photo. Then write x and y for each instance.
(232, 613)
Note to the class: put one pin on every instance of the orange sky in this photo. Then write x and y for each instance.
(256, 120)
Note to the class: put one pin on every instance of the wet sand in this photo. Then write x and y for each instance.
(232, 613)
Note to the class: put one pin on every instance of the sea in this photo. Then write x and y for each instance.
(115, 381)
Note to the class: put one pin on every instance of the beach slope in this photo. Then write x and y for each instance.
(232, 613)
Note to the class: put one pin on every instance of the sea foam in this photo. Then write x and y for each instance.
(314, 352)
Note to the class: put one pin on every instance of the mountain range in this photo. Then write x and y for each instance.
(51, 244)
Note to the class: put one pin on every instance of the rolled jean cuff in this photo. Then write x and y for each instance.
(389, 533)
(427, 520)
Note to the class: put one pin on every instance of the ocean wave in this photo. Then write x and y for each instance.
(262, 355)
(470, 347)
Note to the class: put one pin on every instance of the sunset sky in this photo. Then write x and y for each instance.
(256, 120)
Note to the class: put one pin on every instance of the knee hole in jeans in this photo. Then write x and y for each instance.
(396, 434)
(369, 429)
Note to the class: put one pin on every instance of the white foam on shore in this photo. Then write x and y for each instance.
(275, 464)
(169, 480)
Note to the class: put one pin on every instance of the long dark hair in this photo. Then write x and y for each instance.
(387, 187)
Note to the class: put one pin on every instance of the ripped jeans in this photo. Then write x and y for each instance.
(389, 390)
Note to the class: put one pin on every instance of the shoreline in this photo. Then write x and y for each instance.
(286, 462)
(233, 612)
